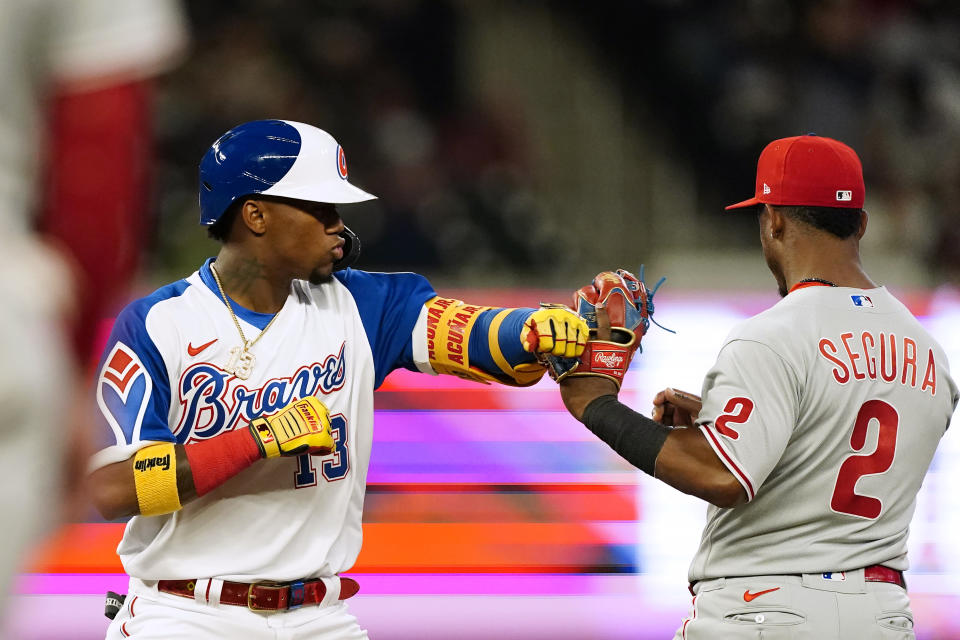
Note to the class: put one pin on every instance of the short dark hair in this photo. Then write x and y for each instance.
(839, 221)
(220, 229)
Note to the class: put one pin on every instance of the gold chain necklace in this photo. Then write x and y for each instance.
(241, 360)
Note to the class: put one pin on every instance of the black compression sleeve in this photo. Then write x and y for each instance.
(634, 436)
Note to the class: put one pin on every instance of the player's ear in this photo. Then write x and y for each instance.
(777, 221)
(252, 214)
(863, 223)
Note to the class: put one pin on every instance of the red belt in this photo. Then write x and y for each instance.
(880, 573)
(875, 573)
(265, 596)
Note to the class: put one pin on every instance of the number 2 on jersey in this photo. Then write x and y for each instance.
(856, 465)
(334, 466)
(736, 411)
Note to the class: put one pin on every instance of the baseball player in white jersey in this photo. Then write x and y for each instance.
(816, 428)
(60, 61)
(238, 402)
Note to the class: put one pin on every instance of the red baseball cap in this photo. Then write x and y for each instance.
(808, 170)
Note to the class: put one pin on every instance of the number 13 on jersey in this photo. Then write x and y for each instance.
(334, 466)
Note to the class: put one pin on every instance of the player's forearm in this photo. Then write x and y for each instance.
(681, 458)
(479, 343)
(155, 481)
(578, 393)
(495, 347)
(634, 437)
(688, 463)
(160, 478)
(113, 487)
(490, 344)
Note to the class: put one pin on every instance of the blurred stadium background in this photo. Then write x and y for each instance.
(517, 149)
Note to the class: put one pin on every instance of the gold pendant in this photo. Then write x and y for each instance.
(240, 363)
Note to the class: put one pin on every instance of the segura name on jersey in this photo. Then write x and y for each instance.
(880, 356)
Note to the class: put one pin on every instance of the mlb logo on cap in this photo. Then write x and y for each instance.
(862, 301)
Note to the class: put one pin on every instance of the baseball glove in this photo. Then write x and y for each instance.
(629, 308)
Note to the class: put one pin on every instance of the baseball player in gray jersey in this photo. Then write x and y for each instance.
(815, 430)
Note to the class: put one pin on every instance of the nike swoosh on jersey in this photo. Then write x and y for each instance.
(195, 351)
(747, 596)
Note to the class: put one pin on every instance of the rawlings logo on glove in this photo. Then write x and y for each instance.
(629, 310)
(608, 360)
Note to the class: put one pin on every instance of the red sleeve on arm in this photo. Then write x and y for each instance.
(218, 459)
(94, 194)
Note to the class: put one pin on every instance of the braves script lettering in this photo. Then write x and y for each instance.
(214, 401)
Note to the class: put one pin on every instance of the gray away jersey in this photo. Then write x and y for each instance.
(827, 408)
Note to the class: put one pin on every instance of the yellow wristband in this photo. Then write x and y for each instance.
(155, 477)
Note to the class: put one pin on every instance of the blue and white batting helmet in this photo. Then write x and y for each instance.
(277, 158)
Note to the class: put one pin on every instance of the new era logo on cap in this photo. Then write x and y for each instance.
(766, 188)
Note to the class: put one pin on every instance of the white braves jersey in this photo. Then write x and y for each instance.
(162, 379)
(827, 408)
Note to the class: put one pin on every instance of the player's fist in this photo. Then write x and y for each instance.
(556, 330)
(302, 426)
(676, 408)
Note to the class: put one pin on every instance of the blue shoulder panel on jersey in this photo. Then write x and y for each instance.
(133, 388)
(257, 319)
(389, 305)
(508, 336)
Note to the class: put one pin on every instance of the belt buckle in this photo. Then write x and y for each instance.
(264, 585)
(296, 595)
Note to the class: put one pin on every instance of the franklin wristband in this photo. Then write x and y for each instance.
(155, 479)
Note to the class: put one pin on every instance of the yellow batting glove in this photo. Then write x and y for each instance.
(302, 426)
(554, 329)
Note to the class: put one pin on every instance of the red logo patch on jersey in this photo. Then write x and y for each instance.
(341, 162)
(123, 391)
(121, 369)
